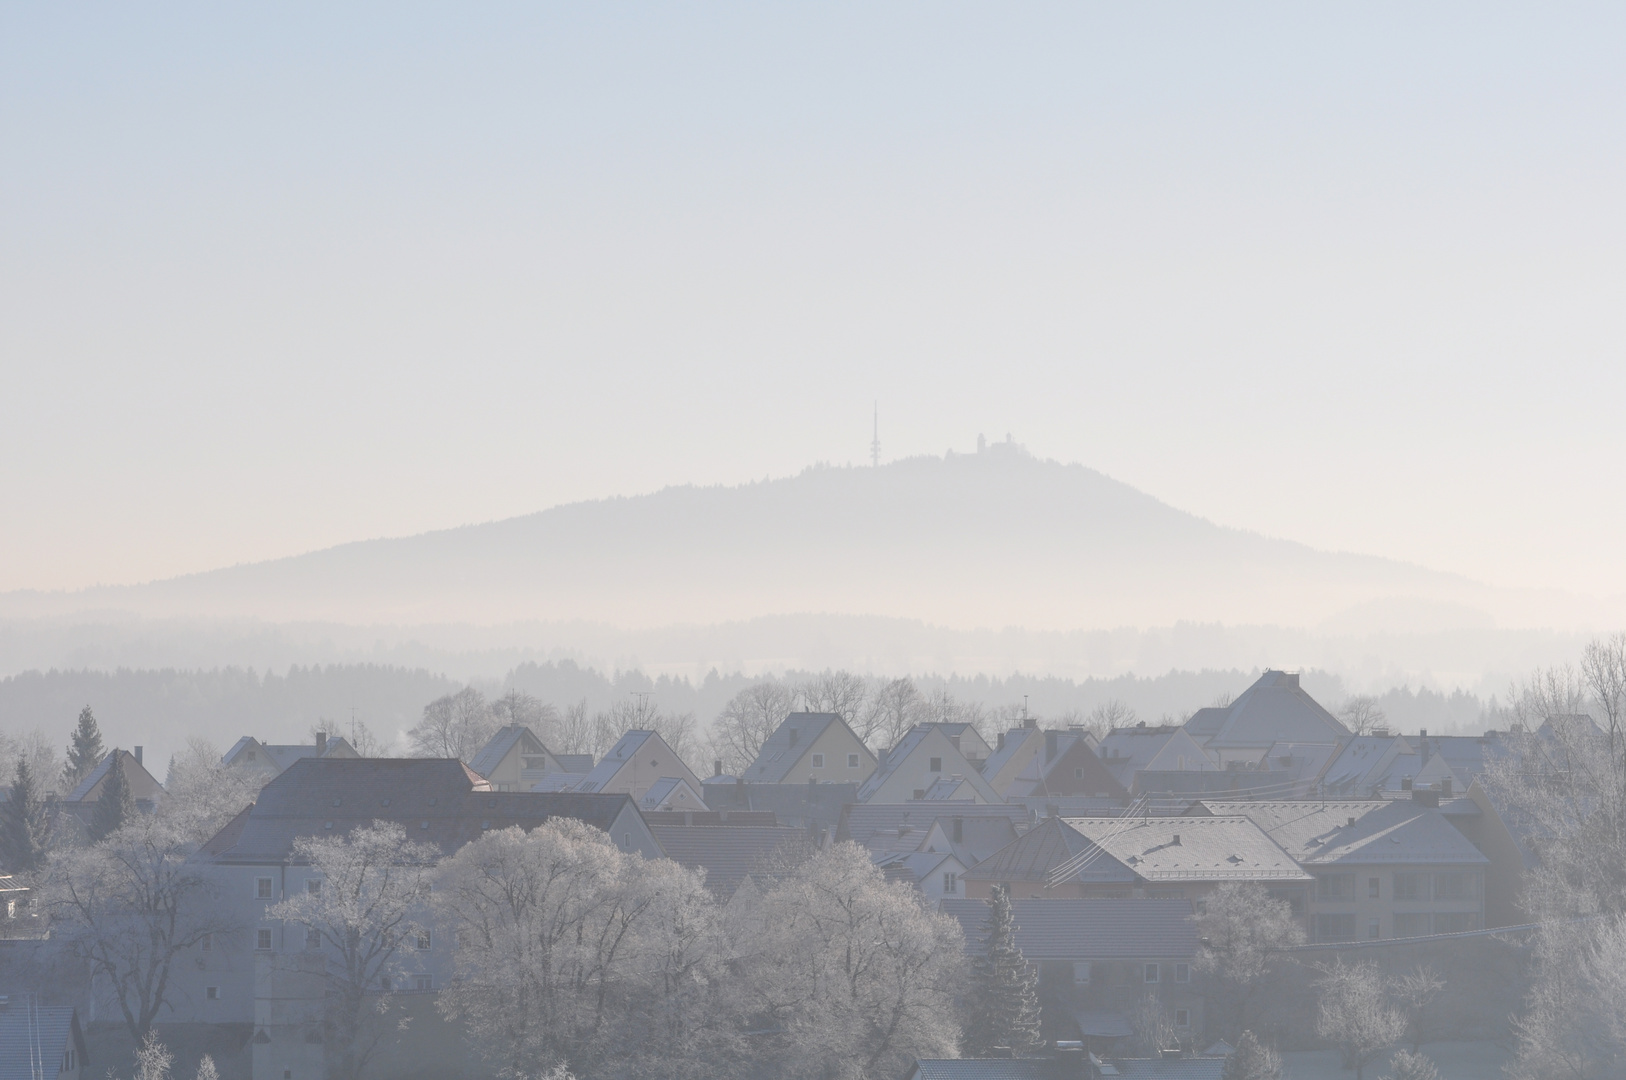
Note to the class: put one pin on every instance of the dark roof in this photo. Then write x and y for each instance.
(1198, 1068)
(727, 853)
(709, 817)
(1047, 846)
(25, 1026)
(985, 1069)
(227, 837)
(439, 800)
(1060, 929)
(1273, 709)
(793, 804)
(498, 747)
(575, 763)
(862, 822)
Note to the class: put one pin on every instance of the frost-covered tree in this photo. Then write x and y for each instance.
(130, 907)
(571, 951)
(454, 726)
(85, 750)
(1354, 1010)
(856, 973)
(153, 1059)
(1242, 928)
(369, 903)
(1407, 1065)
(203, 793)
(23, 824)
(1252, 1060)
(1002, 1008)
(115, 806)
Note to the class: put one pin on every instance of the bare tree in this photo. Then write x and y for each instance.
(519, 709)
(1242, 929)
(373, 883)
(895, 708)
(1154, 1028)
(753, 714)
(839, 692)
(1362, 714)
(858, 975)
(1354, 1011)
(1415, 991)
(363, 739)
(1110, 714)
(130, 906)
(454, 726)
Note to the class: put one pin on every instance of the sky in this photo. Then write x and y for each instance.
(277, 277)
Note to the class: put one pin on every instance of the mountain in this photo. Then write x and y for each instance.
(996, 538)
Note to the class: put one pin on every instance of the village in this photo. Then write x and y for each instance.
(1166, 898)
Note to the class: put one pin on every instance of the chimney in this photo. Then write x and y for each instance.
(138, 755)
(1424, 797)
(880, 759)
(717, 766)
(1049, 745)
(793, 736)
(1176, 840)
(1351, 823)
(812, 780)
(1445, 788)
(739, 783)
(1001, 744)
(1422, 733)
(321, 743)
(1030, 722)
(1405, 783)
(959, 830)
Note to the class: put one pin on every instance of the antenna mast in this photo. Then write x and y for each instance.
(875, 443)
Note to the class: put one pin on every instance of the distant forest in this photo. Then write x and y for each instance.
(162, 708)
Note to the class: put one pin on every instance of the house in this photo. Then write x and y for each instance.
(634, 763)
(817, 747)
(78, 808)
(1066, 766)
(726, 853)
(966, 739)
(250, 755)
(1188, 857)
(514, 759)
(1126, 751)
(1383, 868)
(1274, 709)
(40, 1041)
(671, 793)
(1052, 859)
(922, 757)
(937, 874)
(1099, 958)
(815, 807)
(970, 831)
(1012, 751)
(440, 801)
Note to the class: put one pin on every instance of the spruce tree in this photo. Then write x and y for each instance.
(22, 824)
(1004, 999)
(115, 806)
(86, 750)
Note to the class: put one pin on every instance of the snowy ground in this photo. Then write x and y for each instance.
(1456, 1061)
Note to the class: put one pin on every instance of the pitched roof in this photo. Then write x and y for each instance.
(438, 800)
(1006, 747)
(727, 853)
(1360, 833)
(1198, 1068)
(1043, 849)
(985, 1069)
(789, 743)
(282, 755)
(668, 787)
(576, 763)
(1058, 929)
(907, 747)
(1158, 849)
(498, 747)
(142, 783)
(1128, 750)
(800, 805)
(1274, 708)
(28, 1031)
(869, 824)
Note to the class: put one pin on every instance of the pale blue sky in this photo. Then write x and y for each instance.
(274, 277)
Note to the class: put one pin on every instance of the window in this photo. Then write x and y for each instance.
(207, 944)
(852, 761)
(313, 886)
(1374, 929)
(313, 939)
(1456, 886)
(1411, 923)
(936, 765)
(263, 941)
(1294, 897)
(1182, 1018)
(1078, 773)
(1182, 973)
(951, 883)
(211, 993)
(1455, 922)
(1413, 887)
(818, 761)
(1334, 927)
(425, 983)
(1335, 887)
(262, 888)
(1081, 973)
(425, 939)
(1373, 888)
(1150, 973)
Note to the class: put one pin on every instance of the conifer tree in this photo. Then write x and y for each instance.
(85, 752)
(1251, 1060)
(1004, 999)
(22, 824)
(116, 805)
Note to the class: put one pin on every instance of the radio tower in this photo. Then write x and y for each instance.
(875, 443)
